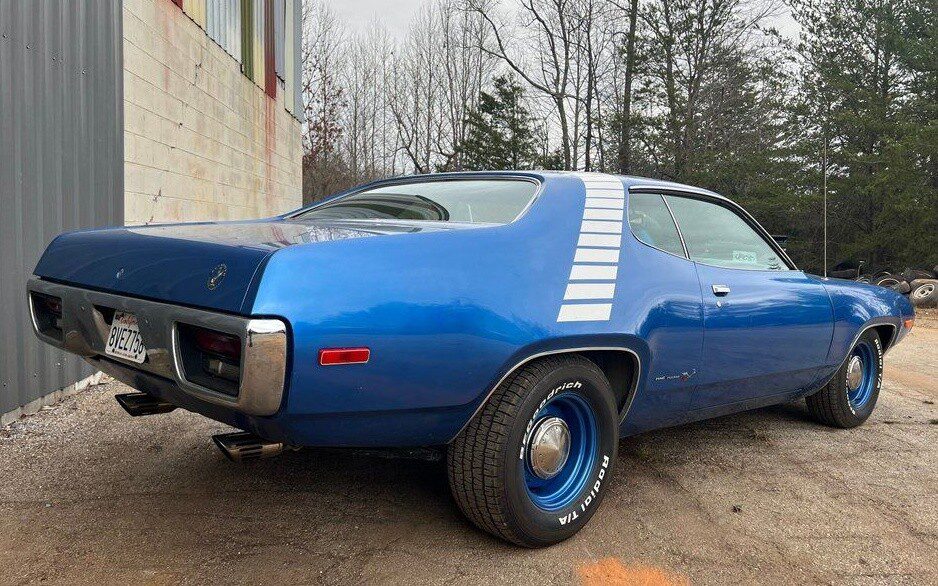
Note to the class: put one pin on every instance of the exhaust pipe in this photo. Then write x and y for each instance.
(241, 446)
(140, 404)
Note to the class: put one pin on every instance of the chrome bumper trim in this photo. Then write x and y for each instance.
(263, 342)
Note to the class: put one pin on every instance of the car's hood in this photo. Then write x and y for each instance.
(209, 265)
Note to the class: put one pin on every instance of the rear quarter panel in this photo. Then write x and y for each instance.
(858, 306)
(446, 314)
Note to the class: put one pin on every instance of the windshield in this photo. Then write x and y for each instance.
(475, 201)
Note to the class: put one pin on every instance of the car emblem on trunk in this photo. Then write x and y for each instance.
(218, 273)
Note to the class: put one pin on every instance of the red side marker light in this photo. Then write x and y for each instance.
(329, 356)
(909, 323)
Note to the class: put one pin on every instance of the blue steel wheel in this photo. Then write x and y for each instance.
(850, 397)
(560, 451)
(862, 371)
(533, 465)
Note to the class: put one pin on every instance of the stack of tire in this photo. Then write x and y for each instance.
(921, 285)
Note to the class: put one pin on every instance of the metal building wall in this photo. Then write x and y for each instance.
(61, 162)
(224, 25)
(297, 49)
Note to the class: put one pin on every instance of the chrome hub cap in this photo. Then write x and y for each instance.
(854, 373)
(549, 447)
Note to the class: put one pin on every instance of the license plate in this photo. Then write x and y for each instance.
(124, 340)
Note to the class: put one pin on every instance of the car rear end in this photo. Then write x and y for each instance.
(226, 360)
(209, 317)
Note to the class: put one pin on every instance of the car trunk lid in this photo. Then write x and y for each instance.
(210, 265)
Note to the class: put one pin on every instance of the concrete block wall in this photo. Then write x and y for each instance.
(201, 140)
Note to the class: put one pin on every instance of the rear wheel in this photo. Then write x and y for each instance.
(533, 465)
(850, 397)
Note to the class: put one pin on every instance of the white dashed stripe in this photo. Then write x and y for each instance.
(582, 291)
(601, 227)
(585, 312)
(598, 244)
(594, 272)
(608, 182)
(595, 202)
(602, 214)
(605, 192)
(606, 255)
(600, 240)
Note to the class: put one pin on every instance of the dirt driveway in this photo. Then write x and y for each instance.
(90, 496)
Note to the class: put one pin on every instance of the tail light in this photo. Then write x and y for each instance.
(224, 345)
(47, 311)
(210, 358)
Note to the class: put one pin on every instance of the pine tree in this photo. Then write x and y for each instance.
(500, 132)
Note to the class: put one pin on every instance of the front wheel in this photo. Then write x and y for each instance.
(849, 398)
(533, 465)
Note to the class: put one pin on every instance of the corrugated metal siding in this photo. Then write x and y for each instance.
(259, 68)
(288, 56)
(196, 11)
(279, 39)
(61, 162)
(224, 25)
(247, 38)
(270, 75)
(297, 49)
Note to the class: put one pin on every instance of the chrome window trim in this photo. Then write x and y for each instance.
(633, 389)
(676, 227)
(728, 204)
(264, 342)
(538, 183)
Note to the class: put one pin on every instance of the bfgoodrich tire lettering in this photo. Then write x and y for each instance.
(847, 401)
(488, 465)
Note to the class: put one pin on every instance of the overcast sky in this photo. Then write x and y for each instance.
(396, 15)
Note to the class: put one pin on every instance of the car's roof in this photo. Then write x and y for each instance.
(629, 180)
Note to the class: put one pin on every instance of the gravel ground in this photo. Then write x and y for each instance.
(89, 495)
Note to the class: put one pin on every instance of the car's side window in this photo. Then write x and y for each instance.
(651, 223)
(718, 236)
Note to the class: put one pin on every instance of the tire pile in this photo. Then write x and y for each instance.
(921, 285)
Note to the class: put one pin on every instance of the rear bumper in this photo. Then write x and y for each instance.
(84, 332)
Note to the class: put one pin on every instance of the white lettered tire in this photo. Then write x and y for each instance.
(507, 469)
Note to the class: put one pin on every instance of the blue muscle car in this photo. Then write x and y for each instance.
(525, 322)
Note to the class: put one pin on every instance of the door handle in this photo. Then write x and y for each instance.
(720, 290)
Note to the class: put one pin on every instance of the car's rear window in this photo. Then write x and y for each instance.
(471, 201)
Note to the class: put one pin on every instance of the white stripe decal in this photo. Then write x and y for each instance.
(596, 202)
(601, 227)
(590, 291)
(585, 312)
(605, 255)
(593, 272)
(599, 242)
(608, 182)
(606, 192)
(598, 214)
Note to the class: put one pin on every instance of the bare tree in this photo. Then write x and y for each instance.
(545, 57)
(370, 140)
(323, 99)
(467, 67)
